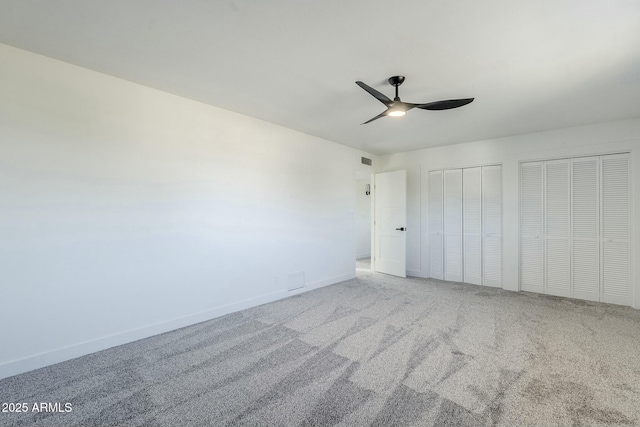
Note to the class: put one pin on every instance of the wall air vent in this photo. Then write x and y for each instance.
(366, 161)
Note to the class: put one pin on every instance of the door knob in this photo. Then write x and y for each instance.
(401, 229)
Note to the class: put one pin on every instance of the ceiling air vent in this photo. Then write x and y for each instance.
(366, 161)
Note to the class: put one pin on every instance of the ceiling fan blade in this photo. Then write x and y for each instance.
(445, 105)
(384, 113)
(379, 96)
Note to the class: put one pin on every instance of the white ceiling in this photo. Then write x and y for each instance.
(531, 65)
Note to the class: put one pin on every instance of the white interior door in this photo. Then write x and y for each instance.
(391, 223)
(472, 224)
(453, 225)
(492, 226)
(436, 225)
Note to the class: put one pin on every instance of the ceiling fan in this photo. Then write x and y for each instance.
(398, 108)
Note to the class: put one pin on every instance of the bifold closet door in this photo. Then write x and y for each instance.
(585, 249)
(531, 227)
(472, 224)
(436, 225)
(557, 210)
(582, 206)
(615, 229)
(491, 226)
(453, 225)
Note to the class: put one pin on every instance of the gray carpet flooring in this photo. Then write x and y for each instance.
(373, 351)
(363, 264)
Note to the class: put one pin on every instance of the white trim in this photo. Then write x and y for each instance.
(635, 293)
(373, 222)
(48, 358)
(466, 166)
(564, 157)
(417, 273)
(364, 176)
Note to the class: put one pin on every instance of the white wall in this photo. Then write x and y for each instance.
(126, 211)
(363, 219)
(601, 138)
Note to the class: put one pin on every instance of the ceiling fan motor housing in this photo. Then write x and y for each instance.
(396, 80)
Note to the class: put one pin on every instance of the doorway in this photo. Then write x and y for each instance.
(363, 221)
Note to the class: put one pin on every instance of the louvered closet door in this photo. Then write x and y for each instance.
(615, 229)
(531, 227)
(492, 225)
(585, 249)
(436, 225)
(453, 225)
(557, 205)
(472, 224)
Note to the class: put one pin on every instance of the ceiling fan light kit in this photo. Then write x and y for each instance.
(397, 108)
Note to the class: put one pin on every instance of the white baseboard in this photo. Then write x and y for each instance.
(493, 284)
(323, 283)
(367, 255)
(416, 273)
(41, 360)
